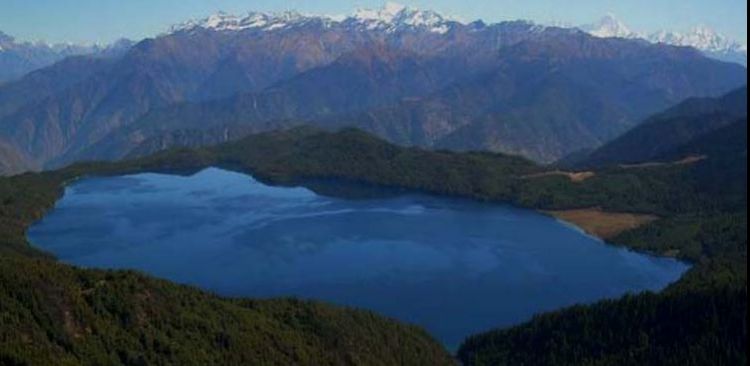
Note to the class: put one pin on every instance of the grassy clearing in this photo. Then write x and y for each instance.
(575, 177)
(652, 164)
(605, 225)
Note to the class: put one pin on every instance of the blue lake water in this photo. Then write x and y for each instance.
(453, 266)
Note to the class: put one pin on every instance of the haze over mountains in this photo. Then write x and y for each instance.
(414, 77)
(700, 37)
(19, 58)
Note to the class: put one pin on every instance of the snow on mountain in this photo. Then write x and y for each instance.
(706, 40)
(391, 17)
(385, 15)
(394, 17)
(10, 44)
(6, 41)
(609, 26)
(253, 20)
(702, 38)
(18, 58)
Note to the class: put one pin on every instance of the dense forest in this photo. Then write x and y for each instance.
(707, 327)
(50, 311)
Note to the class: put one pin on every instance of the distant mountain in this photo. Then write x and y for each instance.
(365, 78)
(491, 108)
(412, 76)
(20, 58)
(197, 63)
(557, 96)
(706, 40)
(401, 97)
(702, 38)
(38, 85)
(391, 18)
(672, 133)
(609, 27)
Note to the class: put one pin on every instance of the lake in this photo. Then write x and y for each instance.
(454, 266)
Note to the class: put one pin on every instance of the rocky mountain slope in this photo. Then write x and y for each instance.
(561, 87)
(414, 77)
(11, 161)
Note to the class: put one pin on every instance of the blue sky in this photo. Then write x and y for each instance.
(106, 20)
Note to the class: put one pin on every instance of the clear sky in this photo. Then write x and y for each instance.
(106, 20)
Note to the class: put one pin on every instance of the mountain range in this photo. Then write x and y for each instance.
(20, 58)
(702, 38)
(394, 17)
(414, 77)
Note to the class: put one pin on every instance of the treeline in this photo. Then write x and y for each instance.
(54, 314)
(701, 206)
(703, 218)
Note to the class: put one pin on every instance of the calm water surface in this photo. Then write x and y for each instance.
(454, 266)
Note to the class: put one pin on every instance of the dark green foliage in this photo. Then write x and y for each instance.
(50, 311)
(730, 139)
(692, 328)
(690, 237)
(353, 155)
(55, 314)
(664, 134)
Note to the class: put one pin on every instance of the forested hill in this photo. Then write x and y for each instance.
(658, 136)
(54, 312)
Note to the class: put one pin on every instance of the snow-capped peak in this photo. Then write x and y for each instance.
(393, 7)
(391, 17)
(701, 37)
(386, 14)
(252, 20)
(5, 41)
(609, 26)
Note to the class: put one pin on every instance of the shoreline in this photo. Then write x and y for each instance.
(557, 215)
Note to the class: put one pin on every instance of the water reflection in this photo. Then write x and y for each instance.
(453, 266)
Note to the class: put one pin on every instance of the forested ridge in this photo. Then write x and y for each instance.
(693, 322)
